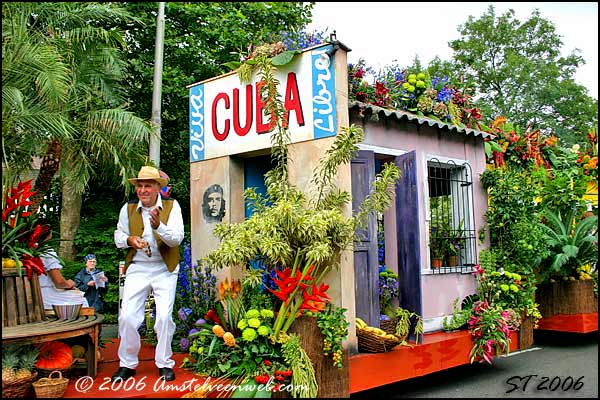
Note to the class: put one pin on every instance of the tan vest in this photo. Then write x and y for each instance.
(136, 227)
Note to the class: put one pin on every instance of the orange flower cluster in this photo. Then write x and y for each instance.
(232, 289)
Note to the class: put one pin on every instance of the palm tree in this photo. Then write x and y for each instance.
(88, 129)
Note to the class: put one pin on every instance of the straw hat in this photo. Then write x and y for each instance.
(149, 173)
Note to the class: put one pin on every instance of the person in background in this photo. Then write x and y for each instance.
(86, 281)
(151, 229)
(55, 288)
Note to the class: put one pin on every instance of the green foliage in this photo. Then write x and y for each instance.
(406, 319)
(564, 187)
(501, 287)
(334, 328)
(511, 196)
(517, 70)
(573, 242)
(459, 318)
(303, 373)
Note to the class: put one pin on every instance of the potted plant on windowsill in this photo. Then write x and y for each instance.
(438, 244)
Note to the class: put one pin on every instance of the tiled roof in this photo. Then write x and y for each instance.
(400, 115)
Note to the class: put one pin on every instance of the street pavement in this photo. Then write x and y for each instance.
(559, 365)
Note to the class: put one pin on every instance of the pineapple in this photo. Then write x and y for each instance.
(10, 360)
(28, 360)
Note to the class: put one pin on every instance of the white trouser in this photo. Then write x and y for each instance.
(139, 279)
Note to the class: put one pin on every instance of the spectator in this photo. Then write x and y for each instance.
(92, 282)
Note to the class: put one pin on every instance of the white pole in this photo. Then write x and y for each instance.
(157, 87)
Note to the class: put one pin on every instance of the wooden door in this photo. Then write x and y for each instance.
(408, 235)
(366, 268)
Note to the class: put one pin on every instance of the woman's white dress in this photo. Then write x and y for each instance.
(52, 295)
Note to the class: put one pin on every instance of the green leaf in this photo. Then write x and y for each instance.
(232, 65)
(284, 58)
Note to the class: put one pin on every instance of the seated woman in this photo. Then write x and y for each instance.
(55, 288)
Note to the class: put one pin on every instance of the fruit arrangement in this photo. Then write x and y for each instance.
(18, 362)
(360, 324)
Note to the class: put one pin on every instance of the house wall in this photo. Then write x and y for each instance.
(439, 290)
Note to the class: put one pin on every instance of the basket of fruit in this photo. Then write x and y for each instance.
(17, 370)
(389, 325)
(375, 340)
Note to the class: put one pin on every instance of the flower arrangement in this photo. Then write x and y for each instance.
(23, 234)
(388, 288)
(195, 296)
(415, 91)
(505, 289)
(490, 331)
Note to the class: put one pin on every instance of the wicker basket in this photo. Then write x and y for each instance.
(51, 387)
(20, 388)
(369, 342)
(389, 326)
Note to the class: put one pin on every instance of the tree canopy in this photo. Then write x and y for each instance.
(517, 71)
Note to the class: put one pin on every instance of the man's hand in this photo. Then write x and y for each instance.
(136, 242)
(92, 283)
(155, 218)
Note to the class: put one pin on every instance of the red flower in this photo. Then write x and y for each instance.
(315, 302)
(38, 232)
(18, 198)
(212, 315)
(33, 264)
(288, 283)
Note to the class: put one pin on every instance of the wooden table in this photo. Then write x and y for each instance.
(54, 329)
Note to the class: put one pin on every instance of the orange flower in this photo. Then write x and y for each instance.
(499, 122)
(223, 288)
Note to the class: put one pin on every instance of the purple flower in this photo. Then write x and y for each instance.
(184, 344)
(192, 331)
(184, 312)
(200, 321)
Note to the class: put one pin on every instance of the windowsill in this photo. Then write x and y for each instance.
(448, 270)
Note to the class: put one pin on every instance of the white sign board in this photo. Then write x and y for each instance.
(228, 117)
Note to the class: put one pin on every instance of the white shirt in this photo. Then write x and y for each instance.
(170, 233)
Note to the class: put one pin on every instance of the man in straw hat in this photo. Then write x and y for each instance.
(151, 229)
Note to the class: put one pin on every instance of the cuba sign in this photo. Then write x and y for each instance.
(229, 117)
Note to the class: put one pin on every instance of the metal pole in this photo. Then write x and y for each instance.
(157, 87)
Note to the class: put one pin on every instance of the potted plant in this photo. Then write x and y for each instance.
(438, 244)
(455, 241)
